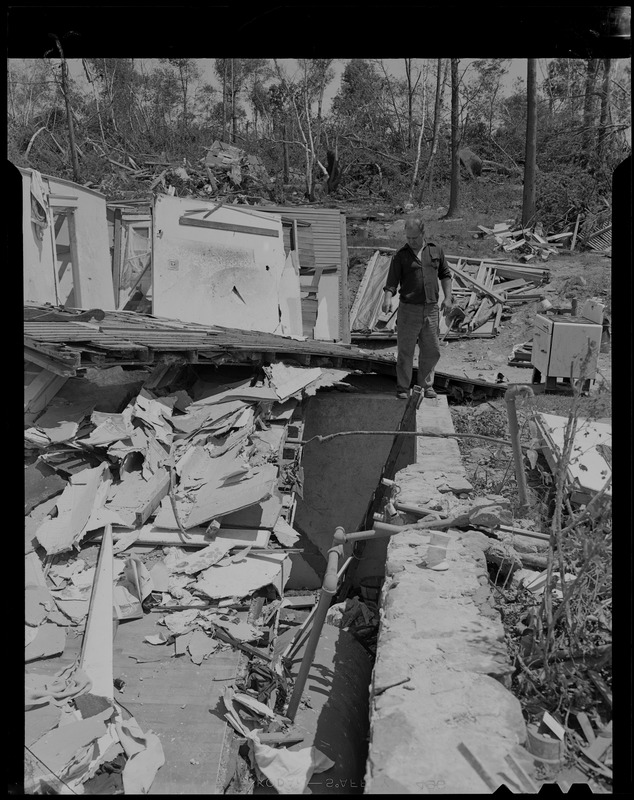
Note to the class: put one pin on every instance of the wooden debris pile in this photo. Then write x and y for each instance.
(482, 289)
(529, 242)
(225, 171)
(600, 240)
(172, 504)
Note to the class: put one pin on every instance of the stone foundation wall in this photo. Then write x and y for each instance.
(442, 670)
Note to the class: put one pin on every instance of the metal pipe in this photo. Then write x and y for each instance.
(305, 629)
(415, 510)
(514, 432)
(360, 535)
(328, 589)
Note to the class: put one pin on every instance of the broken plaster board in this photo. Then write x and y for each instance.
(84, 493)
(290, 300)
(222, 500)
(587, 469)
(222, 277)
(246, 576)
(288, 380)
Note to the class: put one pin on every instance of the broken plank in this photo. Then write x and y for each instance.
(481, 287)
(96, 658)
(227, 226)
(66, 367)
(198, 537)
(41, 390)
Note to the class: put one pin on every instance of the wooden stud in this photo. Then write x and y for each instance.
(96, 658)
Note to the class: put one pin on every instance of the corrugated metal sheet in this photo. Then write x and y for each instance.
(326, 229)
(304, 239)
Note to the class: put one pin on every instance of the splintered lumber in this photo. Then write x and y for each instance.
(198, 537)
(486, 310)
(96, 658)
(574, 235)
(480, 286)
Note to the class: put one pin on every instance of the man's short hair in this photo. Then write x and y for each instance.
(416, 220)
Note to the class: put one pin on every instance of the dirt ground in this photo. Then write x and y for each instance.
(579, 275)
(486, 358)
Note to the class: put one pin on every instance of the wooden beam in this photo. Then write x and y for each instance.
(72, 236)
(227, 226)
(42, 390)
(48, 362)
(116, 256)
(96, 658)
(481, 287)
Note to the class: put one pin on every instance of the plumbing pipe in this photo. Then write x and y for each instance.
(328, 589)
(304, 630)
(514, 431)
(331, 578)
(417, 511)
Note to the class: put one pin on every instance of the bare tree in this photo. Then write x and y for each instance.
(530, 163)
(420, 135)
(303, 120)
(411, 91)
(455, 142)
(69, 113)
(441, 80)
(592, 66)
(604, 118)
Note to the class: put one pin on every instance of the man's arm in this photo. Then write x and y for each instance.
(445, 281)
(447, 302)
(393, 280)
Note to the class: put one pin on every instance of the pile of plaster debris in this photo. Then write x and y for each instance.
(203, 481)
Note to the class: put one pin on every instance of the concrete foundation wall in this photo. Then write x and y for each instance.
(341, 475)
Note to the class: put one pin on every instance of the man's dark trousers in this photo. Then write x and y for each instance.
(416, 323)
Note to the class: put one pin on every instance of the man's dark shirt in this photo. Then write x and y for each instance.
(418, 279)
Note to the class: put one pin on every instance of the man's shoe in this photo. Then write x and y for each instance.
(402, 395)
(430, 394)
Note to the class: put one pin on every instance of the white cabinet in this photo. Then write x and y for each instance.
(559, 345)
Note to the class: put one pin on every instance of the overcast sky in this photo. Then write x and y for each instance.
(394, 66)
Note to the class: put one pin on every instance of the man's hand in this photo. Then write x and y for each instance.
(447, 304)
(387, 302)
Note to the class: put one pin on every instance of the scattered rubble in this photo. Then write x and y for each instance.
(159, 460)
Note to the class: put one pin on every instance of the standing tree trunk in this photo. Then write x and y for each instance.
(420, 139)
(605, 108)
(285, 161)
(455, 143)
(224, 102)
(588, 107)
(69, 113)
(233, 104)
(530, 164)
(408, 73)
(440, 93)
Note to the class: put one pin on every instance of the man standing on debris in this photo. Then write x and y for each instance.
(417, 267)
